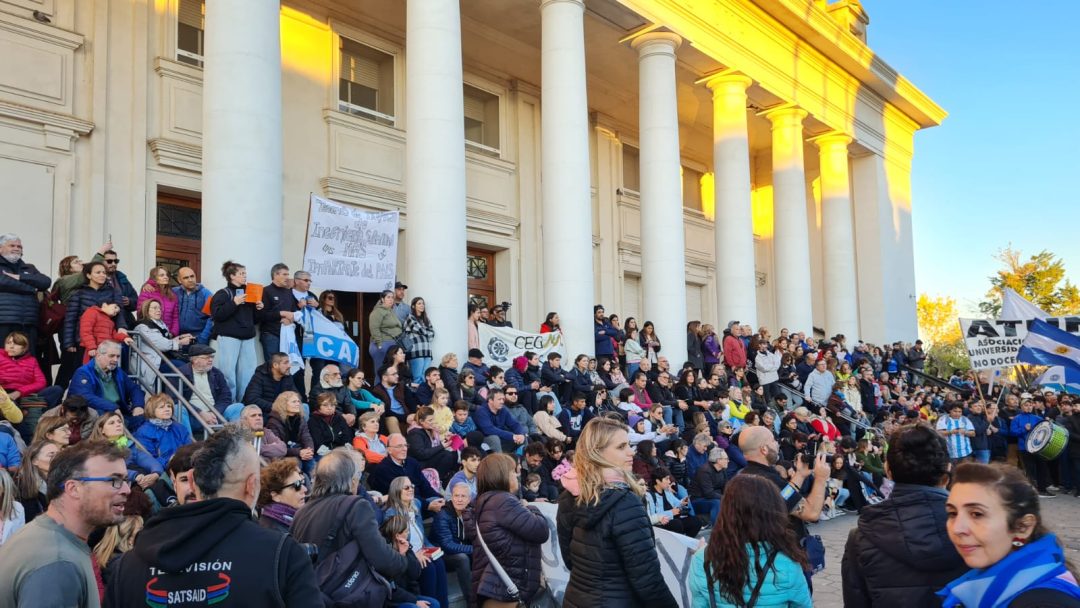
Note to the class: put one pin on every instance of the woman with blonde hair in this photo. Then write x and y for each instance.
(55, 429)
(155, 332)
(160, 435)
(604, 531)
(142, 469)
(401, 500)
(118, 539)
(286, 420)
(12, 514)
(368, 441)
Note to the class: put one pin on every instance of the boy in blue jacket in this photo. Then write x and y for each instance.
(1034, 466)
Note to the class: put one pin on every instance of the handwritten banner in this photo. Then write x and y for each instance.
(350, 249)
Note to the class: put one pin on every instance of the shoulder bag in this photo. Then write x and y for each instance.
(757, 588)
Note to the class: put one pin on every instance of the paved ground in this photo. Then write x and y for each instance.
(1062, 515)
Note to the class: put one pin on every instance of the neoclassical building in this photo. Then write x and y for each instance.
(671, 159)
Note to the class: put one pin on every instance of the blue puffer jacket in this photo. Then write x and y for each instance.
(192, 319)
(140, 462)
(162, 443)
(448, 530)
(85, 382)
(18, 298)
(784, 587)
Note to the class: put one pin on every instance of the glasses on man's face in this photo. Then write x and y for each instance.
(396, 446)
(115, 482)
(509, 393)
(113, 261)
(296, 485)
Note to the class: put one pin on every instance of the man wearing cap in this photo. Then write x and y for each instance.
(734, 349)
(476, 364)
(210, 382)
(603, 333)
(400, 307)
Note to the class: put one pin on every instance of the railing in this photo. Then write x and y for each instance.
(966, 392)
(164, 384)
(798, 398)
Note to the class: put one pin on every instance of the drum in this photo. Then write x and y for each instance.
(1047, 440)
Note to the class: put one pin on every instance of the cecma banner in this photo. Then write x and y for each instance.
(673, 550)
(501, 345)
(995, 342)
(350, 249)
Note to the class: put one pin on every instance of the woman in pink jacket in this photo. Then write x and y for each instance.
(157, 288)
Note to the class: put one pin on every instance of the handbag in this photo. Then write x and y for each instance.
(52, 313)
(757, 587)
(815, 552)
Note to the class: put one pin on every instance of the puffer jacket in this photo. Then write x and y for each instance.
(21, 374)
(610, 550)
(900, 554)
(84, 298)
(293, 431)
(170, 305)
(513, 533)
(18, 299)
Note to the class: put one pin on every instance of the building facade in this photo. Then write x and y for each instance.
(671, 159)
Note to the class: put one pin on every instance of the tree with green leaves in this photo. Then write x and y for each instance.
(1040, 279)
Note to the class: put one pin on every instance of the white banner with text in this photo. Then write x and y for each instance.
(350, 249)
(995, 342)
(501, 345)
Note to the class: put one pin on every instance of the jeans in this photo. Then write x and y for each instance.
(711, 506)
(236, 359)
(982, 456)
(841, 497)
(270, 344)
(417, 367)
(631, 369)
(378, 354)
(433, 582)
(461, 564)
(673, 415)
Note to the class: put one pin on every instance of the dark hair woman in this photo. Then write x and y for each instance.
(649, 341)
(385, 327)
(753, 557)
(94, 293)
(995, 524)
(550, 324)
(420, 334)
(234, 328)
(505, 531)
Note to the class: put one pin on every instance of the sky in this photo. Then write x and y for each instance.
(1003, 167)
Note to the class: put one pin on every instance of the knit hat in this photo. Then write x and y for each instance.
(634, 419)
(521, 364)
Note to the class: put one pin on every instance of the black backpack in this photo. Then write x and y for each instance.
(345, 578)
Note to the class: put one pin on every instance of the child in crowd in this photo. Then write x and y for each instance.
(463, 425)
(531, 491)
(97, 325)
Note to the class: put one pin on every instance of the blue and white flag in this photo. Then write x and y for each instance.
(323, 339)
(1048, 345)
(1061, 379)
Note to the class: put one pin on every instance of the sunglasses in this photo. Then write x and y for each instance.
(403, 488)
(511, 392)
(116, 261)
(296, 485)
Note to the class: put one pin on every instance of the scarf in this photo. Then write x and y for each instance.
(324, 417)
(1036, 565)
(121, 441)
(161, 423)
(279, 512)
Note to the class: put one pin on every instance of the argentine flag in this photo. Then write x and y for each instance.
(1048, 345)
(1061, 379)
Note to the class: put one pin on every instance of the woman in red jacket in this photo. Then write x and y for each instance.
(20, 377)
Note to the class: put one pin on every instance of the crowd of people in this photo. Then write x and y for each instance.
(350, 492)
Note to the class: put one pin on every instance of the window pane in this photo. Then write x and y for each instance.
(631, 158)
(366, 82)
(691, 189)
(482, 119)
(189, 32)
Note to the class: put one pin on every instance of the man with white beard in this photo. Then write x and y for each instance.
(210, 382)
(19, 284)
(330, 382)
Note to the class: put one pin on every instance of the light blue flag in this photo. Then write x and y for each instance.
(1061, 379)
(324, 339)
(1049, 345)
(288, 345)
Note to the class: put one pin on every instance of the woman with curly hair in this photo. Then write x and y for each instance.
(753, 557)
(281, 493)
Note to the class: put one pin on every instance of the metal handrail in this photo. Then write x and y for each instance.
(945, 383)
(191, 409)
(862, 424)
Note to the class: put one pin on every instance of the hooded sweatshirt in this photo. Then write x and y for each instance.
(900, 553)
(213, 552)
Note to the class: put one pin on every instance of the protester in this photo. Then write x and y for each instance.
(327, 427)
(448, 530)
(191, 300)
(665, 509)
(753, 557)
(160, 435)
(604, 533)
(286, 420)
(48, 563)
(157, 288)
(385, 327)
(399, 464)
(282, 492)
(12, 514)
(430, 447)
(180, 476)
(31, 480)
(995, 523)
(420, 334)
(401, 501)
(156, 337)
(368, 440)
(405, 587)
(19, 284)
(213, 544)
(334, 509)
(234, 327)
(143, 469)
(899, 554)
(269, 381)
(106, 387)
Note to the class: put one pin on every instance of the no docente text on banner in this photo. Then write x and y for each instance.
(995, 342)
(350, 249)
(501, 345)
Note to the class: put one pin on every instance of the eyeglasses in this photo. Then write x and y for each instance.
(403, 488)
(296, 485)
(508, 393)
(116, 482)
(116, 261)
(398, 445)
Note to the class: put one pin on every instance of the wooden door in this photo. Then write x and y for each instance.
(179, 234)
(480, 268)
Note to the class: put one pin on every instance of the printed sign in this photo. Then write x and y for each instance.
(350, 249)
(501, 345)
(995, 342)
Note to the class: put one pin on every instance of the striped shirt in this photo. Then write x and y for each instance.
(960, 443)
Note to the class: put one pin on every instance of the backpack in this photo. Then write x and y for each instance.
(345, 578)
(51, 313)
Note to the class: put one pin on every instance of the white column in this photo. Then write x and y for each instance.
(435, 170)
(733, 232)
(838, 238)
(663, 250)
(565, 167)
(791, 242)
(242, 166)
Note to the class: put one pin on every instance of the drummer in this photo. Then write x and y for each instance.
(957, 431)
(1070, 419)
(1037, 471)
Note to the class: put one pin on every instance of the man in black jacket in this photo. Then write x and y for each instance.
(333, 503)
(279, 303)
(900, 554)
(212, 551)
(707, 485)
(19, 284)
(269, 380)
